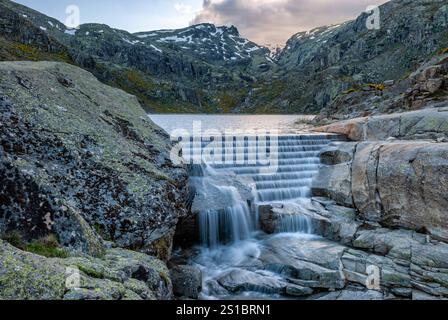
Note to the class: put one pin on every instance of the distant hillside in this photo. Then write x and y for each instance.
(201, 68)
(204, 68)
(317, 66)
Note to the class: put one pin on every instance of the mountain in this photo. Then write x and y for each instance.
(317, 66)
(204, 68)
(195, 69)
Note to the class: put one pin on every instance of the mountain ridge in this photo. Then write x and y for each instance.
(162, 74)
(208, 69)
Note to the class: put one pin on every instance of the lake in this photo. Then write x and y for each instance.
(222, 123)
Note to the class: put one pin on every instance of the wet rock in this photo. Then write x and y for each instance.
(304, 259)
(262, 282)
(243, 280)
(298, 291)
(187, 281)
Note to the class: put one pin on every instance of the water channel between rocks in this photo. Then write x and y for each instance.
(251, 175)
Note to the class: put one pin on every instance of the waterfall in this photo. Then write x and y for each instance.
(296, 164)
(293, 223)
(227, 225)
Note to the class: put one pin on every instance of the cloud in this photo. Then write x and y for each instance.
(274, 21)
(184, 9)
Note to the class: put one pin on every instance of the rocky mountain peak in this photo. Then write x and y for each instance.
(205, 41)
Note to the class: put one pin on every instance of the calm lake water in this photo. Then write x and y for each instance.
(222, 123)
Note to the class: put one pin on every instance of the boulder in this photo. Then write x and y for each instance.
(62, 173)
(187, 281)
(262, 282)
(314, 262)
(334, 178)
(403, 184)
(396, 183)
(248, 281)
(115, 276)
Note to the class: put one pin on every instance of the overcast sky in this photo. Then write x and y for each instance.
(262, 21)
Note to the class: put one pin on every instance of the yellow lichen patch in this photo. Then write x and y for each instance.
(377, 86)
(443, 51)
(349, 91)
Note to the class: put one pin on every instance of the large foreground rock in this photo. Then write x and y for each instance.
(403, 184)
(399, 184)
(82, 160)
(118, 275)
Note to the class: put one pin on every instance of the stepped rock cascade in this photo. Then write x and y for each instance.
(230, 224)
(292, 162)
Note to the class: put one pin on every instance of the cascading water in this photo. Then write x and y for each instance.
(236, 188)
(296, 163)
(229, 214)
(228, 225)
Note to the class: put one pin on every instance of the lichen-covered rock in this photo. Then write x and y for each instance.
(83, 160)
(116, 276)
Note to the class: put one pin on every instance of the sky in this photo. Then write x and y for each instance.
(267, 22)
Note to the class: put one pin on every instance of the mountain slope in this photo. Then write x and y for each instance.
(316, 66)
(212, 71)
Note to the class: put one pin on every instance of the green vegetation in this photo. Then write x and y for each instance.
(90, 271)
(13, 51)
(47, 246)
(229, 100)
(14, 238)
